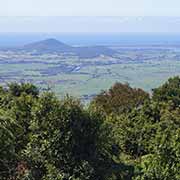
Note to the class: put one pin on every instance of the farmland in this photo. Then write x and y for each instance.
(145, 67)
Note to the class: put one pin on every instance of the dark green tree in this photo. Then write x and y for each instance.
(69, 142)
(120, 98)
(168, 92)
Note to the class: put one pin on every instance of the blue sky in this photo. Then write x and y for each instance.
(89, 8)
(87, 24)
(90, 16)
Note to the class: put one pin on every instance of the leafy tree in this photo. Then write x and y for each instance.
(15, 115)
(68, 142)
(120, 98)
(7, 146)
(17, 89)
(133, 131)
(169, 91)
(123, 135)
(163, 162)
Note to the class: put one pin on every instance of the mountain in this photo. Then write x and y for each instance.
(48, 45)
(55, 46)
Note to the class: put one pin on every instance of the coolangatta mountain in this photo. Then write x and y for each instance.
(54, 46)
(47, 45)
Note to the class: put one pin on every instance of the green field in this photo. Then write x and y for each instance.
(144, 68)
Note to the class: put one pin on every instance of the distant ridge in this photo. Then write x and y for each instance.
(47, 45)
(54, 46)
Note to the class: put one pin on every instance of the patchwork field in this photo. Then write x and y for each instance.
(141, 67)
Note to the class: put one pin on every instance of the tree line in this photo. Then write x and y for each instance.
(124, 134)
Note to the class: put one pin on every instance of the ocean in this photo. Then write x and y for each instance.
(85, 39)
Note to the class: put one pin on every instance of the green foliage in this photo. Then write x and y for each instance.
(69, 140)
(169, 91)
(14, 123)
(17, 89)
(123, 135)
(7, 145)
(120, 98)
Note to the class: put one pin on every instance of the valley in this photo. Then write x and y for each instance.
(144, 67)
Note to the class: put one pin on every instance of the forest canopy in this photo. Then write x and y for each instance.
(124, 133)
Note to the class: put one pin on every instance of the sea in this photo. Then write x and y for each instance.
(91, 39)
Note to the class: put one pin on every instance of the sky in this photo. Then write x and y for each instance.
(89, 8)
(90, 16)
(87, 24)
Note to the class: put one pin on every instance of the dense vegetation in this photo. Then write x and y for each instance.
(124, 134)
